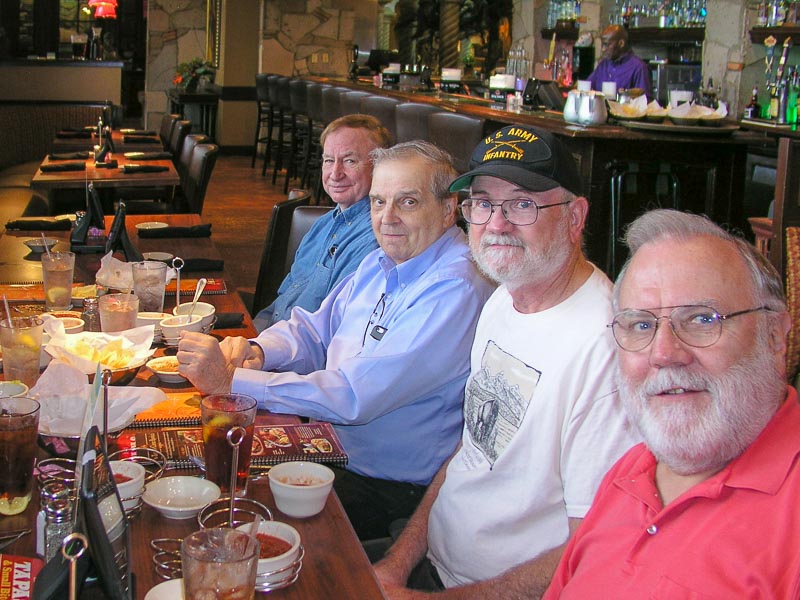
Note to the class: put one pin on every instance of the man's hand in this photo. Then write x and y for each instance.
(203, 362)
(241, 353)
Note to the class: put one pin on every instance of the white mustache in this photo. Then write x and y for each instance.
(489, 239)
(669, 379)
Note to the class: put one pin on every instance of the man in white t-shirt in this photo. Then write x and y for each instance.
(543, 421)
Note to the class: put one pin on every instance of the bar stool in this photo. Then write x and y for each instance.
(264, 113)
(458, 134)
(382, 108)
(272, 92)
(351, 102)
(313, 151)
(412, 120)
(331, 103)
(627, 173)
(285, 119)
(301, 130)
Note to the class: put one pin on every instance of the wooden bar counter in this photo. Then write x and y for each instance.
(709, 163)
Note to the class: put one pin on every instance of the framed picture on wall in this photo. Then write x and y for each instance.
(213, 21)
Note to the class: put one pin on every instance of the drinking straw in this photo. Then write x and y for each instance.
(8, 313)
(44, 243)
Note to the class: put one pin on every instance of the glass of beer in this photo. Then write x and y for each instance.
(220, 413)
(21, 341)
(19, 426)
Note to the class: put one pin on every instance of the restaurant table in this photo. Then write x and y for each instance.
(206, 101)
(710, 163)
(117, 137)
(334, 566)
(106, 177)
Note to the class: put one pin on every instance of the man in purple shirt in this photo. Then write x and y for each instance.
(620, 64)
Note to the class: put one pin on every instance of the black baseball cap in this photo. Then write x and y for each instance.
(526, 156)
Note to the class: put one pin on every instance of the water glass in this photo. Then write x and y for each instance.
(57, 270)
(118, 312)
(219, 563)
(21, 341)
(149, 283)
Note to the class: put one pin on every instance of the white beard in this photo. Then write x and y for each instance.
(694, 437)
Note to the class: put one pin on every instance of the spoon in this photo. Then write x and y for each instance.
(201, 285)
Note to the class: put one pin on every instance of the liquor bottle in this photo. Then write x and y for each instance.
(773, 100)
(753, 110)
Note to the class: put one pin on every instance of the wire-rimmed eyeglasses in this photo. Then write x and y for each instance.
(695, 325)
(377, 315)
(517, 211)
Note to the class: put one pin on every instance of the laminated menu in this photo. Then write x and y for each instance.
(272, 444)
(17, 574)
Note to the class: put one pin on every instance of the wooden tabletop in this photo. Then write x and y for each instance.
(335, 565)
(121, 144)
(106, 177)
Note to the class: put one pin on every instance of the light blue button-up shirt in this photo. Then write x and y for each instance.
(385, 359)
(331, 250)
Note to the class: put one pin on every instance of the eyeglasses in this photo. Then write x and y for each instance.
(517, 211)
(377, 315)
(696, 326)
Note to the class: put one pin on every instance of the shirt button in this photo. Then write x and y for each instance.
(652, 530)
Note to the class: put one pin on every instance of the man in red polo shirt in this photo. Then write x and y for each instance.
(707, 507)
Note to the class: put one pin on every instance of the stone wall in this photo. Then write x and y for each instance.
(313, 37)
(176, 33)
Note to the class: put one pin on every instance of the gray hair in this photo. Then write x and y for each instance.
(662, 224)
(441, 163)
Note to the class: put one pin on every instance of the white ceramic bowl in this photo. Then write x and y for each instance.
(181, 496)
(276, 568)
(300, 488)
(72, 324)
(38, 245)
(13, 388)
(172, 589)
(130, 490)
(171, 327)
(166, 369)
(204, 309)
(154, 319)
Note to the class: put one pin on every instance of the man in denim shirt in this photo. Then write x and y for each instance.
(337, 242)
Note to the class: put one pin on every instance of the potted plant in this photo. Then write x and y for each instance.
(189, 74)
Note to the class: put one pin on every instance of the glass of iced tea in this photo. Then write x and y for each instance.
(21, 341)
(220, 413)
(57, 271)
(118, 312)
(19, 426)
(219, 563)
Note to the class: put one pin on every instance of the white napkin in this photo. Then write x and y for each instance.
(63, 393)
(62, 346)
(118, 275)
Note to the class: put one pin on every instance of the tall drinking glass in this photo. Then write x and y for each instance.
(149, 283)
(220, 413)
(57, 270)
(21, 341)
(19, 426)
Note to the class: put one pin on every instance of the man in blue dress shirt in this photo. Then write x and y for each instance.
(386, 355)
(339, 240)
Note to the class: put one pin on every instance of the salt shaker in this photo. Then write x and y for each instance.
(58, 525)
(91, 315)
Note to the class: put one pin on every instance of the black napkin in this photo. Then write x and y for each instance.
(148, 155)
(194, 265)
(203, 230)
(67, 166)
(228, 320)
(67, 134)
(140, 139)
(39, 223)
(144, 169)
(69, 155)
(138, 132)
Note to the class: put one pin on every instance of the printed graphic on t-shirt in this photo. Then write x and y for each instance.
(497, 397)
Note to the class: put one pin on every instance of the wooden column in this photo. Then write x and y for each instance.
(449, 33)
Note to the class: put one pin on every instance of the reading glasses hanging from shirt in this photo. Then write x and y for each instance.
(517, 211)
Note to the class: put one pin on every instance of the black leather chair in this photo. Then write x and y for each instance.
(185, 155)
(351, 101)
(382, 108)
(458, 134)
(411, 120)
(179, 132)
(165, 130)
(272, 270)
(201, 166)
